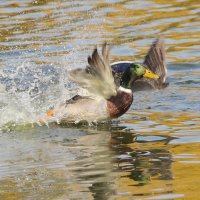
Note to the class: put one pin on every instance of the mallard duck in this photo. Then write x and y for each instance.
(107, 100)
(155, 60)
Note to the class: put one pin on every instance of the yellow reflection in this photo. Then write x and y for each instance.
(172, 166)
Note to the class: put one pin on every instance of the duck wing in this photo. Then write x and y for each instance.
(155, 60)
(97, 77)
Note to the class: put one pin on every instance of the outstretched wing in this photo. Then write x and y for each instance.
(156, 60)
(97, 77)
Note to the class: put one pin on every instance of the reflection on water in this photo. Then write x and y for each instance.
(61, 162)
(152, 152)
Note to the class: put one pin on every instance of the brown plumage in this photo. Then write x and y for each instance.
(118, 105)
(155, 60)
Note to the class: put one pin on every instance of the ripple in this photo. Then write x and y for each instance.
(152, 152)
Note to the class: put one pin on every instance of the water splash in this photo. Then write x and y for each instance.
(30, 89)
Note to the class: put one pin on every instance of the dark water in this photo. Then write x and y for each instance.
(152, 152)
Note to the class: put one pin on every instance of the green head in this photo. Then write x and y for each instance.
(134, 72)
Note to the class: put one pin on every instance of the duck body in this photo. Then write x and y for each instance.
(93, 109)
(79, 108)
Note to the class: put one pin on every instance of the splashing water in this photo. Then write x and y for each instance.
(29, 90)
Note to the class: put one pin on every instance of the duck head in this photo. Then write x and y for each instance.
(134, 72)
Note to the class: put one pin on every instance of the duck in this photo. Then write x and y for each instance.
(106, 99)
(155, 60)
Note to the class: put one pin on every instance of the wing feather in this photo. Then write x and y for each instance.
(156, 59)
(97, 77)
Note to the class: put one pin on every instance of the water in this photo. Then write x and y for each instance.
(152, 152)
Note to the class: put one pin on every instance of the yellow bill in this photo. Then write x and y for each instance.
(149, 74)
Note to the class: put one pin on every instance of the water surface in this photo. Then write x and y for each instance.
(152, 152)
